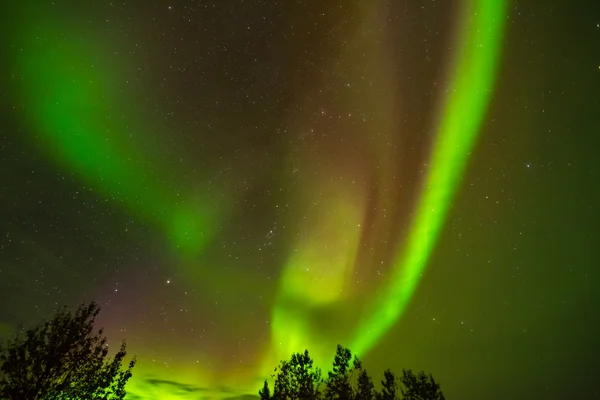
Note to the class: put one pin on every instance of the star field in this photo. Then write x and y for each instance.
(236, 180)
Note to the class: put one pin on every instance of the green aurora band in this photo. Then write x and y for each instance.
(463, 112)
(473, 75)
(68, 101)
(71, 101)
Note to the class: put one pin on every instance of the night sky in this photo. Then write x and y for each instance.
(236, 180)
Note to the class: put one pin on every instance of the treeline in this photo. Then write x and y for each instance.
(299, 379)
(66, 358)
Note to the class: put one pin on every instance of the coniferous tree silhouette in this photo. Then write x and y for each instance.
(338, 385)
(419, 386)
(63, 359)
(297, 379)
(389, 389)
(265, 392)
(365, 389)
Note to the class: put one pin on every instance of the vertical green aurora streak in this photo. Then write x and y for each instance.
(463, 111)
(473, 73)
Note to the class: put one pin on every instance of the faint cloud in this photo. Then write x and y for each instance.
(243, 397)
(183, 387)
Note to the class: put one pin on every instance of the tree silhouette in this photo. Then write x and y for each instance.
(297, 379)
(365, 390)
(419, 386)
(63, 359)
(265, 392)
(338, 385)
(389, 386)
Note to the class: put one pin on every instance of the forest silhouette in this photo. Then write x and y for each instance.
(65, 358)
(299, 379)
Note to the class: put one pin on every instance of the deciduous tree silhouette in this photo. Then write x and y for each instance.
(63, 359)
(297, 379)
(419, 386)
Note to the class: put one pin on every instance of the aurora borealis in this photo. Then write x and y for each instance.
(233, 181)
